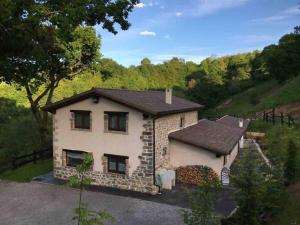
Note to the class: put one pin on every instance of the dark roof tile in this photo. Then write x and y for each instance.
(210, 135)
(233, 121)
(152, 102)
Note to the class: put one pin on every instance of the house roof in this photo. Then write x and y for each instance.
(210, 135)
(151, 102)
(233, 121)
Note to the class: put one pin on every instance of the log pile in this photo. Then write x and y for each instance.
(194, 174)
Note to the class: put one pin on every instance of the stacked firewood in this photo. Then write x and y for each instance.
(194, 174)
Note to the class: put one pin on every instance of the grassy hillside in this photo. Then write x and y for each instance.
(263, 96)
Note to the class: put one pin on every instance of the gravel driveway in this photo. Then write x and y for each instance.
(44, 204)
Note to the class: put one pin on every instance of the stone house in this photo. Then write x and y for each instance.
(132, 135)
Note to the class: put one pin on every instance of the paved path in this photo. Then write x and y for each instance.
(224, 202)
(252, 142)
(44, 204)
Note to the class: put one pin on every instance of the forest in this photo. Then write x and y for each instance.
(209, 83)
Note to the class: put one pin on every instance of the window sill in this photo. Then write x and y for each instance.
(116, 132)
(120, 175)
(81, 129)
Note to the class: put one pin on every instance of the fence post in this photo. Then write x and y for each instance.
(273, 115)
(289, 118)
(34, 157)
(264, 116)
(281, 116)
(267, 117)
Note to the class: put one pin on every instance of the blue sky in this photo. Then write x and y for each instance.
(196, 29)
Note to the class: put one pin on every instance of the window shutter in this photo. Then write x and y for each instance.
(72, 120)
(127, 116)
(105, 122)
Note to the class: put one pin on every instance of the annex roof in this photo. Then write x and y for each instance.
(210, 135)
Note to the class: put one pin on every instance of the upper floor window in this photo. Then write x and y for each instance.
(116, 121)
(81, 119)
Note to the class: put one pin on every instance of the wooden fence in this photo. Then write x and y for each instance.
(24, 159)
(272, 117)
(33, 157)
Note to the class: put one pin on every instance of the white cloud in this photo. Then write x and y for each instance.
(286, 14)
(292, 10)
(162, 7)
(205, 7)
(150, 4)
(178, 14)
(147, 33)
(140, 5)
(167, 36)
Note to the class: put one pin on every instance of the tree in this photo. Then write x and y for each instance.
(43, 42)
(83, 214)
(291, 162)
(249, 188)
(202, 203)
(146, 61)
(283, 60)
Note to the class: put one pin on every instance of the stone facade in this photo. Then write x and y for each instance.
(165, 125)
(137, 144)
(140, 180)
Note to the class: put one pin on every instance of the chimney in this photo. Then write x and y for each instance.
(168, 96)
(241, 123)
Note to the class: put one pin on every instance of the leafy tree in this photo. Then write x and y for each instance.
(145, 61)
(202, 203)
(43, 42)
(259, 71)
(283, 60)
(83, 214)
(109, 68)
(249, 189)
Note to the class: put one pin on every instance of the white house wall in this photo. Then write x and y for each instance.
(97, 141)
(231, 157)
(183, 155)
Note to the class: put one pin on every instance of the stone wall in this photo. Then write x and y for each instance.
(140, 180)
(165, 125)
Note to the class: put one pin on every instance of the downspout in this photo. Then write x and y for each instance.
(154, 178)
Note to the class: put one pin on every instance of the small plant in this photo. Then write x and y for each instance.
(83, 214)
(290, 163)
(202, 203)
(249, 184)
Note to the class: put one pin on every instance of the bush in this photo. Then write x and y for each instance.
(20, 136)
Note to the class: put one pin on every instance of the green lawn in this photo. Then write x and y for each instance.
(266, 95)
(28, 171)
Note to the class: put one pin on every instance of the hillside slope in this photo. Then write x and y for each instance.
(264, 96)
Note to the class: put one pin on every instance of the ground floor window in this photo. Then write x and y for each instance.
(116, 163)
(74, 158)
